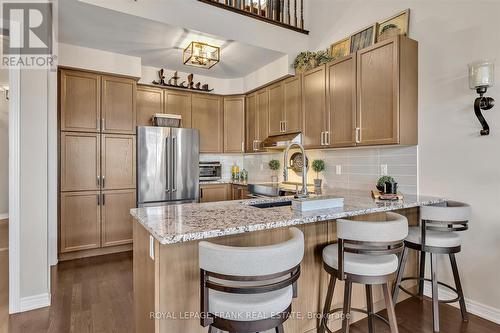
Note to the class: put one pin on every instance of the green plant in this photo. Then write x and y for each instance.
(274, 165)
(382, 180)
(308, 60)
(318, 166)
(323, 57)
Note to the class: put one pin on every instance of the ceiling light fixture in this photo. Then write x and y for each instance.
(201, 55)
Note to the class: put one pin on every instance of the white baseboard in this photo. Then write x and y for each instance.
(484, 311)
(4, 216)
(34, 302)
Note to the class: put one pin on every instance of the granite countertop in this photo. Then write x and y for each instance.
(188, 222)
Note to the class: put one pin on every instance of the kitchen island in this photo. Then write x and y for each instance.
(166, 272)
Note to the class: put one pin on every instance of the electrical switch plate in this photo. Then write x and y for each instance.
(151, 247)
(383, 169)
(338, 169)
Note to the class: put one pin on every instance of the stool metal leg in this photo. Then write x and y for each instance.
(328, 304)
(280, 329)
(401, 272)
(422, 274)
(211, 329)
(347, 306)
(458, 285)
(369, 307)
(391, 314)
(435, 296)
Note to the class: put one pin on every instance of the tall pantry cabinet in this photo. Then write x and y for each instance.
(97, 173)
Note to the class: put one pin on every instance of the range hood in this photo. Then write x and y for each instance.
(281, 141)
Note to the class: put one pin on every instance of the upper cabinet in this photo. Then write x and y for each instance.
(276, 109)
(80, 99)
(314, 107)
(179, 102)
(262, 117)
(149, 101)
(292, 95)
(234, 124)
(118, 105)
(341, 103)
(208, 117)
(387, 93)
(251, 120)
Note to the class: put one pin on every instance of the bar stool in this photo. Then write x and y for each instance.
(249, 289)
(365, 253)
(436, 235)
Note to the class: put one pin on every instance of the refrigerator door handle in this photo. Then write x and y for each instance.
(174, 163)
(167, 166)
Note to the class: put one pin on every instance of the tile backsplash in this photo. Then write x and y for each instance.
(359, 168)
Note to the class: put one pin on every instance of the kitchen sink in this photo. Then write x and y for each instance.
(272, 204)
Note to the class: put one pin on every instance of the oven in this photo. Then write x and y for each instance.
(210, 171)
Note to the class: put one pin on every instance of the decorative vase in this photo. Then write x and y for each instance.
(317, 183)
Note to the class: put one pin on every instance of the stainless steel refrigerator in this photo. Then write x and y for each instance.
(167, 165)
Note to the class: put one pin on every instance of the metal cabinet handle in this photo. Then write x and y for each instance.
(98, 199)
(201, 193)
(327, 138)
(167, 153)
(322, 138)
(174, 158)
(242, 146)
(98, 181)
(284, 125)
(103, 201)
(103, 181)
(358, 135)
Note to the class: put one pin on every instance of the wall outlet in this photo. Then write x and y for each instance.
(151, 247)
(383, 169)
(338, 169)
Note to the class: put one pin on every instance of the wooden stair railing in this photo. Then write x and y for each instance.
(284, 13)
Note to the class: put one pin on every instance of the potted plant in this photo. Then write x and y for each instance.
(318, 166)
(381, 182)
(274, 165)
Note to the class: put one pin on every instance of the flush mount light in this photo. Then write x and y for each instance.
(481, 77)
(201, 55)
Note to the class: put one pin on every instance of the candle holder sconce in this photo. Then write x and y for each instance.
(481, 77)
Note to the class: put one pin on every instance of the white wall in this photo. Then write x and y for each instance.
(4, 149)
(454, 161)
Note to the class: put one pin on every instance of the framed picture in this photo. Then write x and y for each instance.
(393, 26)
(363, 38)
(341, 48)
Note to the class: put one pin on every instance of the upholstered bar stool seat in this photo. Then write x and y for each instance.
(361, 264)
(433, 238)
(249, 289)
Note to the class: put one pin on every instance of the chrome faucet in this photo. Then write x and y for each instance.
(304, 193)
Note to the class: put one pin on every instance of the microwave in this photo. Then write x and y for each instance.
(210, 171)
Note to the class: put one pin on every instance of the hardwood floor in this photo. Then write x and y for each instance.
(95, 295)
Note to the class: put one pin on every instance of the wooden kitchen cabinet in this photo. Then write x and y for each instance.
(149, 102)
(179, 102)
(239, 192)
(314, 107)
(251, 132)
(116, 220)
(80, 161)
(118, 161)
(234, 124)
(80, 101)
(292, 94)
(262, 116)
(208, 118)
(387, 93)
(118, 105)
(276, 109)
(341, 103)
(81, 214)
(213, 192)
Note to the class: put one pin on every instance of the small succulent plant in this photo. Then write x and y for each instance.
(382, 180)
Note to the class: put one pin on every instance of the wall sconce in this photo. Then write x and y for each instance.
(481, 77)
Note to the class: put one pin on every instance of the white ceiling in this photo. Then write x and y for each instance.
(158, 44)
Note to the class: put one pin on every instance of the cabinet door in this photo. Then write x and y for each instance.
(251, 122)
(263, 116)
(80, 161)
(118, 105)
(212, 193)
(276, 116)
(378, 84)
(80, 221)
(292, 91)
(314, 106)
(149, 102)
(341, 102)
(207, 117)
(80, 98)
(178, 102)
(234, 124)
(118, 161)
(116, 220)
